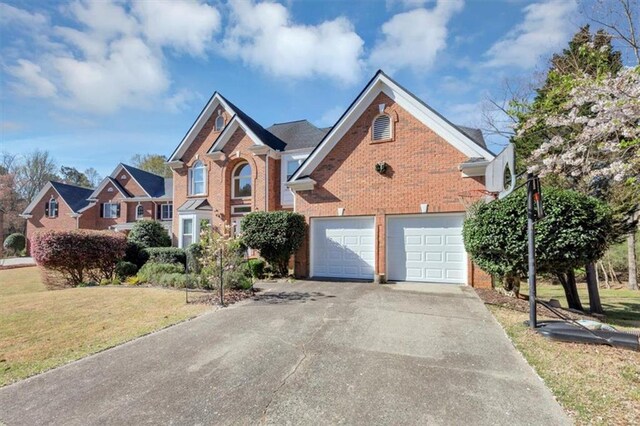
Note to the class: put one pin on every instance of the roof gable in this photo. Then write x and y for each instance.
(381, 83)
(215, 101)
(151, 183)
(75, 197)
(109, 180)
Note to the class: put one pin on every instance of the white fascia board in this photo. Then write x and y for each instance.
(94, 195)
(215, 101)
(229, 130)
(37, 198)
(305, 184)
(122, 166)
(408, 102)
(25, 216)
(84, 209)
(473, 169)
(175, 164)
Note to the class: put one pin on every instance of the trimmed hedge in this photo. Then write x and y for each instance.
(151, 272)
(164, 255)
(149, 233)
(79, 254)
(15, 243)
(256, 266)
(277, 235)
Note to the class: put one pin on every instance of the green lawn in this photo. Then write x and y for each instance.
(41, 329)
(622, 306)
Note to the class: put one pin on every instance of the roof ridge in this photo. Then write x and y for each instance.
(55, 182)
(292, 121)
(127, 166)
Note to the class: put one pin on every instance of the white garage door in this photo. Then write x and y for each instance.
(343, 247)
(426, 248)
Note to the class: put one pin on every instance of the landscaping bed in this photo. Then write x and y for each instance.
(595, 384)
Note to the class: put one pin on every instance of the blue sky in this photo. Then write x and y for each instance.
(96, 82)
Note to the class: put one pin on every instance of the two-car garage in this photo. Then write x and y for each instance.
(418, 248)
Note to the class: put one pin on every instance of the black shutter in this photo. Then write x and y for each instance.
(118, 210)
(46, 209)
(158, 211)
(101, 209)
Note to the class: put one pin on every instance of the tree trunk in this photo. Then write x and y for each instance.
(594, 292)
(633, 265)
(568, 281)
(606, 275)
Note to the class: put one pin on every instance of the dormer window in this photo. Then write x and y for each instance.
(51, 208)
(381, 128)
(241, 181)
(197, 179)
(139, 211)
(219, 124)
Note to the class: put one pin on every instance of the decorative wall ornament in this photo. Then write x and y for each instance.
(382, 167)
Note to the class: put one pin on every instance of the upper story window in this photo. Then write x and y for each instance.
(197, 178)
(241, 181)
(292, 166)
(219, 124)
(139, 211)
(51, 208)
(110, 210)
(381, 129)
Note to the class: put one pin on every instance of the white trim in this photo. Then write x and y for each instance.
(215, 123)
(313, 220)
(474, 169)
(196, 218)
(38, 198)
(139, 216)
(110, 203)
(423, 215)
(57, 209)
(234, 177)
(305, 184)
(237, 213)
(216, 156)
(229, 130)
(383, 84)
(175, 164)
(285, 159)
(162, 217)
(96, 193)
(215, 101)
(191, 183)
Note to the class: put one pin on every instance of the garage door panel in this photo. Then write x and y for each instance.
(343, 247)
(426, 248)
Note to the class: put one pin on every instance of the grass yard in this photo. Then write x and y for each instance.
(42, 329)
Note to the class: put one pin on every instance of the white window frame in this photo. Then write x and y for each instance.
(53, 212)
(193, 230)
(138, 215)
(104, 211)
(373, 124)
(286, 195)
(234, 178)
(234, 210)
(169, 215)
(217, 126)
(196, 228)
(192, 183)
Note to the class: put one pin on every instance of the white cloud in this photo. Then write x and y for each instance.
(264, 36)
(330, 116)
(30, 81)
(465, 114)
(10, 15)
(545, 29)
(413, 39)
(185, 25)
(112, 56)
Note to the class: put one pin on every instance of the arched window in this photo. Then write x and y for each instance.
(382, 128)
(139, 211)
(197, 179)
(242, 181)
(219, 123)
(52, 208)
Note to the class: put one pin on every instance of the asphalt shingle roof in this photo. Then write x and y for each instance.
(75, 196)
(298, 134)
(474, 134)
(153, 184)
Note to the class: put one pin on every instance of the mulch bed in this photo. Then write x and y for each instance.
(492, 297)
(213, 297)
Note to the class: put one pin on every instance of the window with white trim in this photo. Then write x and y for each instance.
(381, 128)
(241, 185)
(219, 124)
(197, 179)
(187, 232)
(240, 209)
(110, 210)
(139, 211)
(52, 208)
(166, 212)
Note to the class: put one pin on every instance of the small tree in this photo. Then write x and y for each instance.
(221, 256)
(573, 233)
(15, 243)
(149, 233)
(277, 235)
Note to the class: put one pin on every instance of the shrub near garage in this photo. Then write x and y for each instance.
(79, 255)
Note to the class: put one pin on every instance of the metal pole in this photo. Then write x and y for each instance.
(531, 236)
(221, 280)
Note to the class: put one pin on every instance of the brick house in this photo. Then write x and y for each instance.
(380, 190)
(127, 195)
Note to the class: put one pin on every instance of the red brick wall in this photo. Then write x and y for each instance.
(40, 222)
(128, 183)
(110, 197)
(422, 168)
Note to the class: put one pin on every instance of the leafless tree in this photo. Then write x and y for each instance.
(621, 19)
(33, 173)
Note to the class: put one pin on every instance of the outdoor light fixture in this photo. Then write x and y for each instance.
(381, 167)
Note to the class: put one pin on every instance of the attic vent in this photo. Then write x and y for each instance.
(382, 128)
(123, 177)
(110, 189)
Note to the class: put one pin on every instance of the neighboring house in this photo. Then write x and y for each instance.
(126, 196)
(380, 190)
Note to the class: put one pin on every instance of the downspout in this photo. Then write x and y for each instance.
(266, 185)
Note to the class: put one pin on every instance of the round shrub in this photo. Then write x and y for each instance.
(256, 266)
(15, 243)
(149, 233)
(125, 269)
(165, 255)
(277, 235)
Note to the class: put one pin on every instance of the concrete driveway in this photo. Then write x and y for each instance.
(304, 353)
